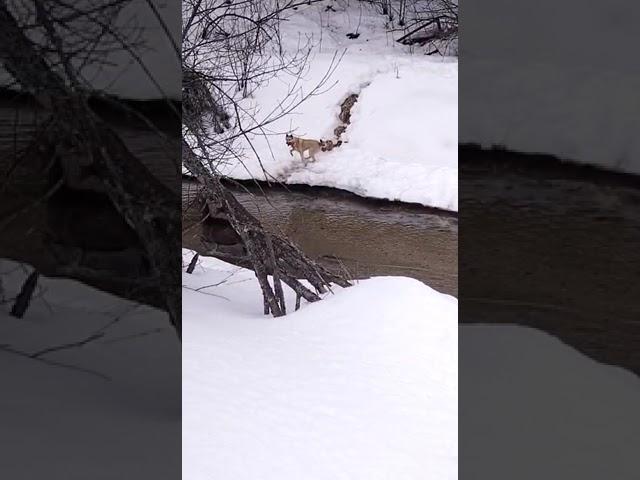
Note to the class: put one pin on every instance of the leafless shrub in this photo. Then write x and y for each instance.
(429, 23)
(77, 38)
(229, 50)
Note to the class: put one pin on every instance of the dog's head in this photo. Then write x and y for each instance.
(288, 139)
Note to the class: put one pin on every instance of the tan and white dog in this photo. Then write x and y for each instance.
(302, 145)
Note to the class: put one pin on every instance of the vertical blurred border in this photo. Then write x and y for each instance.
(549, 164)
(90, 170)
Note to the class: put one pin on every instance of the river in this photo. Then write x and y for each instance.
(552, 246)
(369, 237)
(543, 245)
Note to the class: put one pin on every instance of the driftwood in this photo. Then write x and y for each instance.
(149, 207)
(266, 254)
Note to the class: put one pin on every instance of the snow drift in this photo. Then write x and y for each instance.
(108, 409)
(543, 410)
(364, 385)
(360, 385)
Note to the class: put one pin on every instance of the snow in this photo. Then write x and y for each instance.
(537, 86)
(65, 423)
(364, 385)
(540, 409)
(360, 385)
(403, 136)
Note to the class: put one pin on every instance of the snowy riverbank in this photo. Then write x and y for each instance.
(365, 385)
(403, 137)
(360, 385)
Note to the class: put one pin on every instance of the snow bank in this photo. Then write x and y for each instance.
(403, 137)
(65, 423)
(360, 385)
(364, 385)
(542, 410)
(545, 89)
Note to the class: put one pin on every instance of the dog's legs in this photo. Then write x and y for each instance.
(305, 161)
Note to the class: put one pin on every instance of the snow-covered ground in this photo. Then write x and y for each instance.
(69, 422)
(403, 137)
(365, 385)
(536, 85)
(360, 385)
(540, 409)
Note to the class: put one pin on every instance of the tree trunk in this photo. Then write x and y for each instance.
(267, 254)
(150, 208)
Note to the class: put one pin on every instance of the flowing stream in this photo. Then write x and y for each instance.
(544, 245)
(552, 246)
(368, 237)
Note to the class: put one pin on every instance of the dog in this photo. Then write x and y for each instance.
(328, 145)
(302, 145)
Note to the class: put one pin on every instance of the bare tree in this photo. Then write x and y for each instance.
(430, 23)
(50, 48)
(229, 50)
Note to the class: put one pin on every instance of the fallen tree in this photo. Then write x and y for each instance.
(266, 254)
(75, 134)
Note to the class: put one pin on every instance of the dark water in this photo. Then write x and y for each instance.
(24, 184)
(553, 247)
(369, 238)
